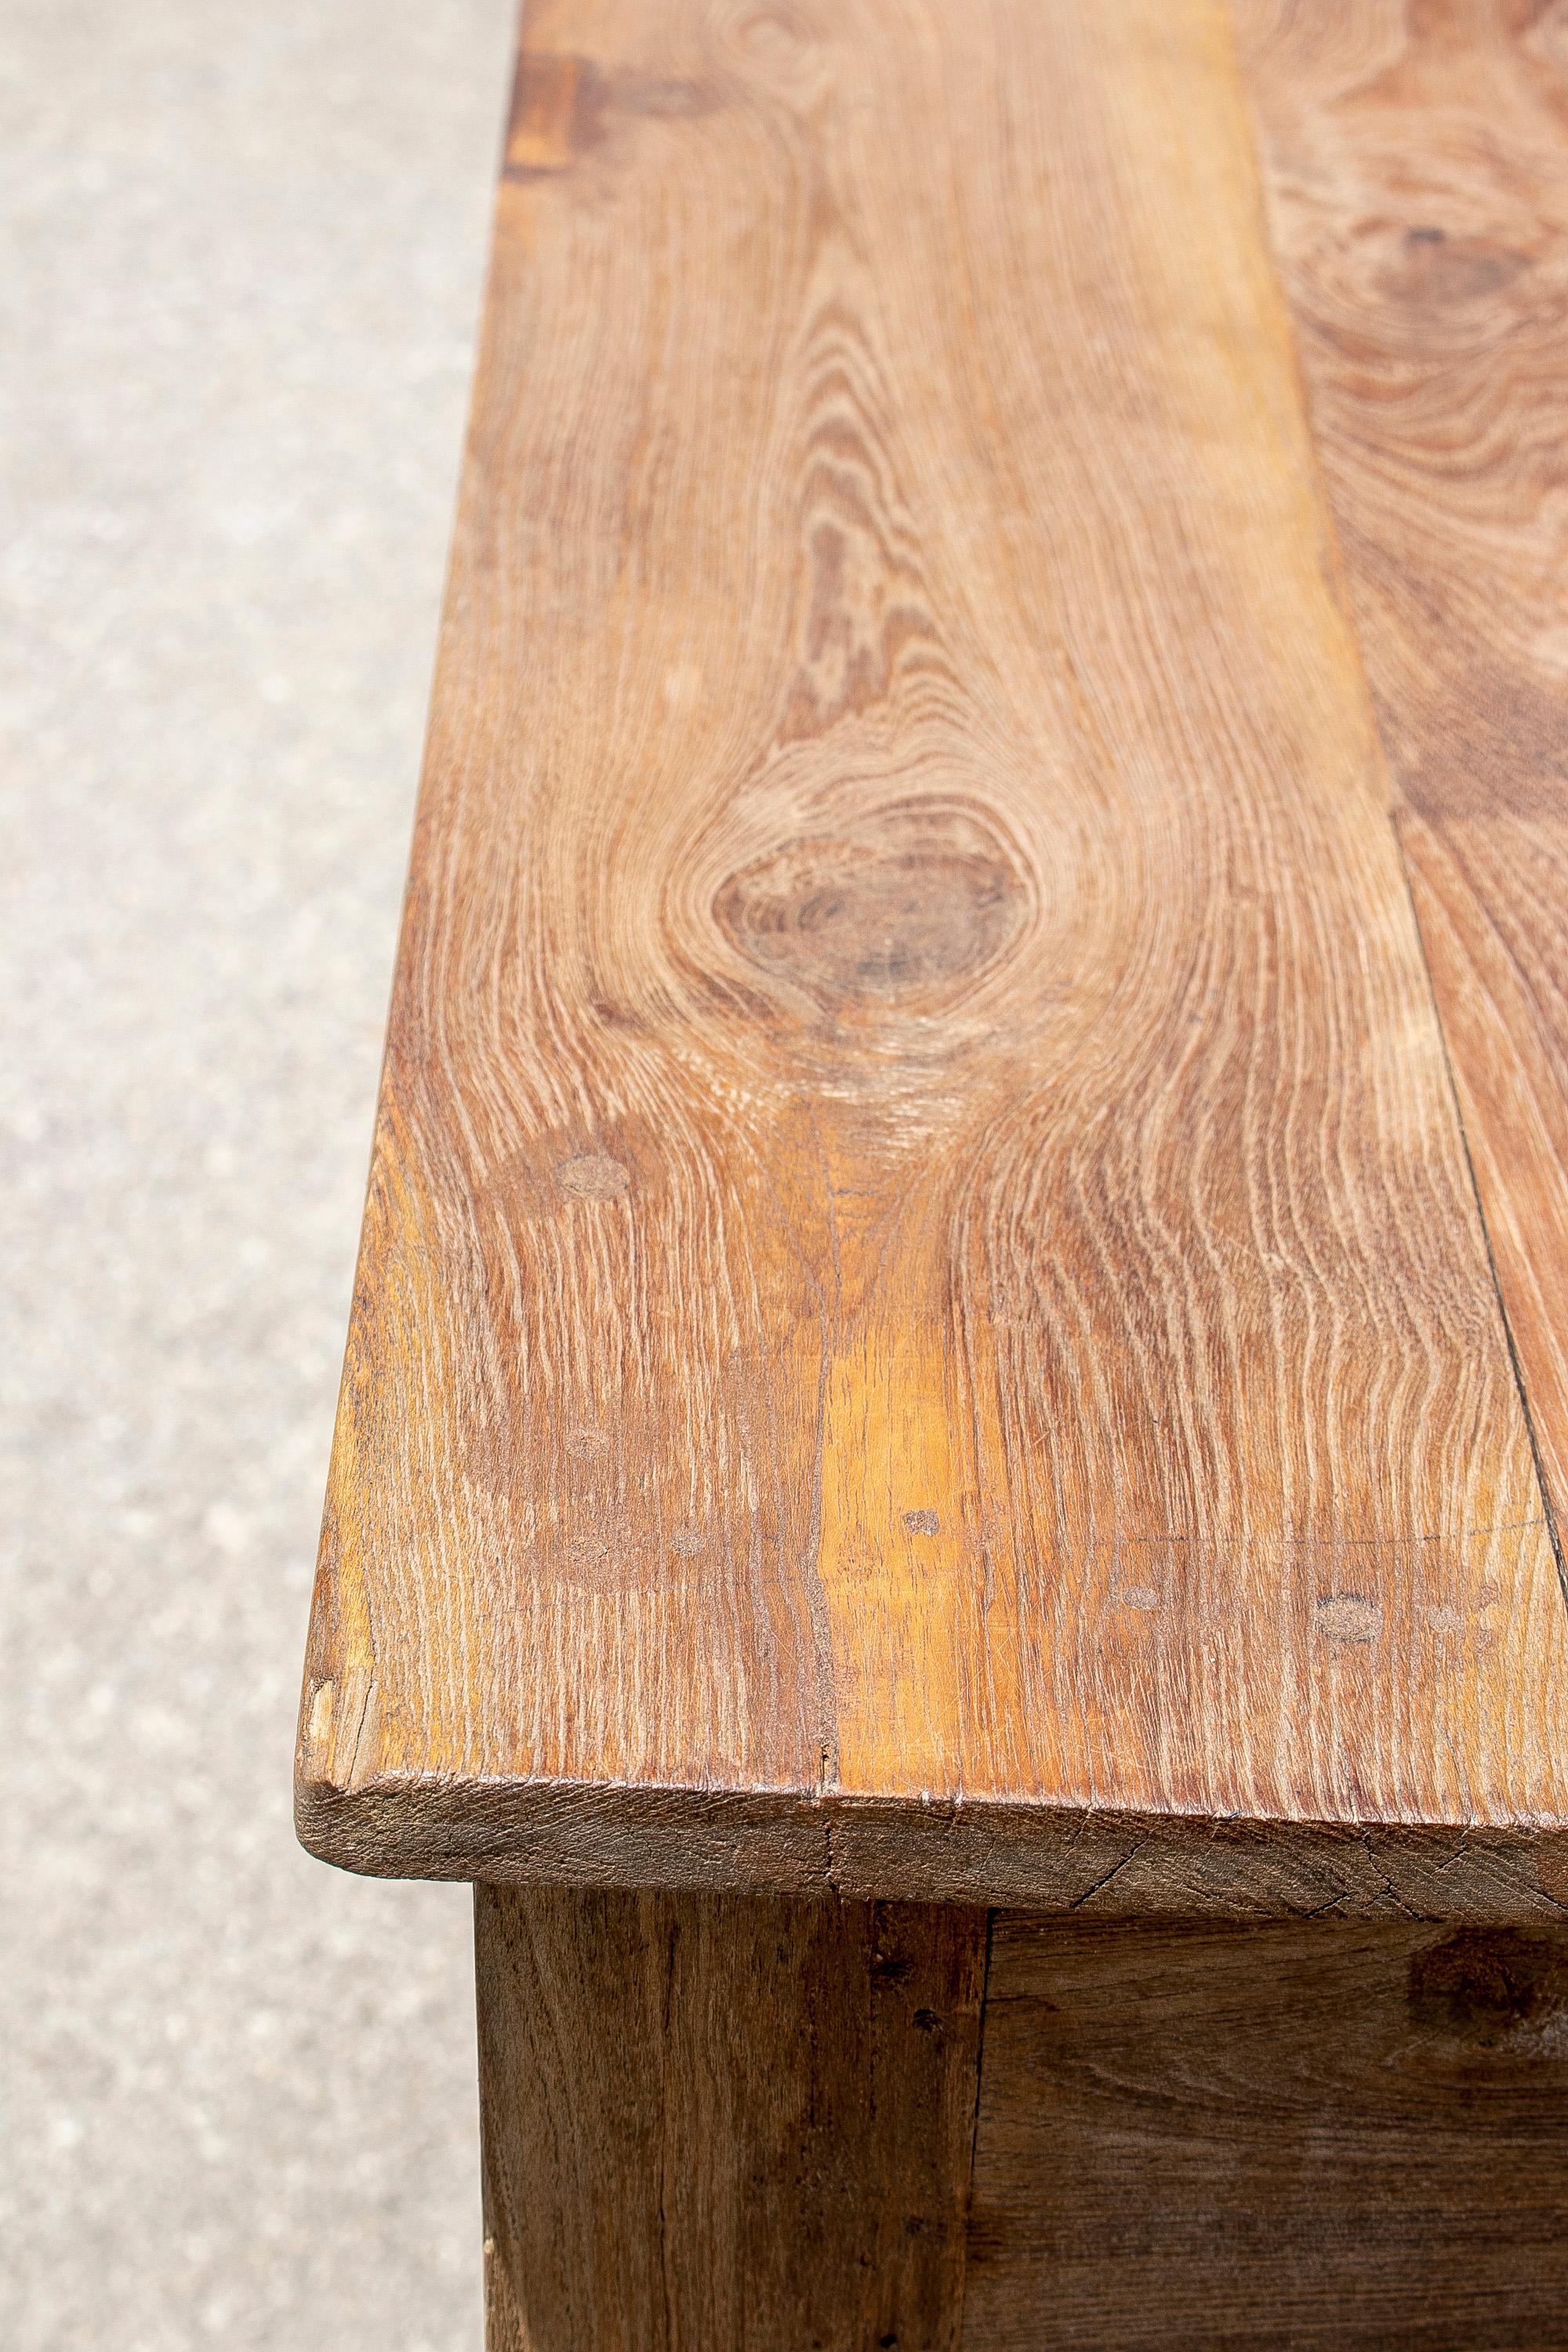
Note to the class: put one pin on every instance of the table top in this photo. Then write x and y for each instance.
(958, 1286)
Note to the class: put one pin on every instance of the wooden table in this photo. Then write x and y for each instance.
(944, 1482)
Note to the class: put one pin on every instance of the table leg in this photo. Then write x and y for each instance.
(723, 2124)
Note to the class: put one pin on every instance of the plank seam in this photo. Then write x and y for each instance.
(958, 2337)
(1342, 598)
(1553, 1533)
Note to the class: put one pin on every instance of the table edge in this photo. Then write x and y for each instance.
(1040, 1856)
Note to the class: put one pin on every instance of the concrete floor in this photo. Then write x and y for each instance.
(242, 248)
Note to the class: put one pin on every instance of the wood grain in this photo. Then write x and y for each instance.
(714, 2122)
(1418, 180)
(922, 1305)
(1319, 2137)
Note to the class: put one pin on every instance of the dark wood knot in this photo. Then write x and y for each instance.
(927, 897)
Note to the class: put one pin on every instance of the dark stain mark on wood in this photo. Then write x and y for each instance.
(562, 107)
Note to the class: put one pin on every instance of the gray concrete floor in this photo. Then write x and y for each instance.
(242, 256)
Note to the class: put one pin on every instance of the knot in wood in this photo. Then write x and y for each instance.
(926, 898)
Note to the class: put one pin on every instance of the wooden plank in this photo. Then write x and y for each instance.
(921, 1299)
(1418, 180)
(713, 2122)
(1353, 2139)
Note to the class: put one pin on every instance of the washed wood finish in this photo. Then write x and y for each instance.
(1418, 178)
(919, 1245)
(1298, 2136)
(925, 1327)
(710, 2122)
